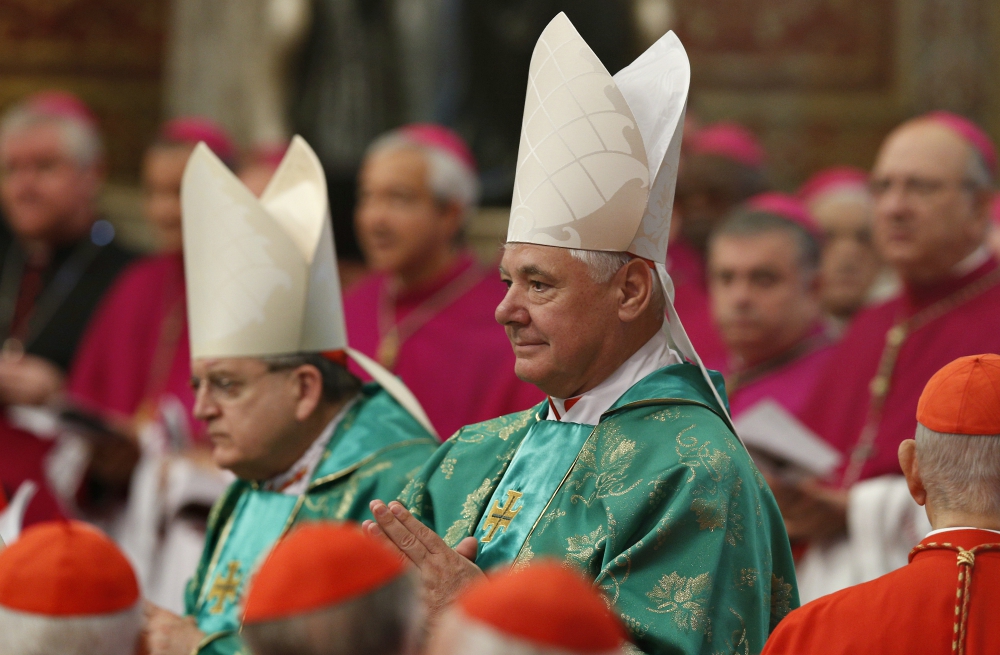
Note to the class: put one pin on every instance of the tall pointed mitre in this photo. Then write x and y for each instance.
(597, 162)
(262, 273)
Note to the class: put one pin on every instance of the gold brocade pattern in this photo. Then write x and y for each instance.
(448, 467)
(582, 548)
(606, 459)
(781, 599)
(350, 491)
(685, 599)
(736, 643)
(747, 579)
(716, 497)
(462, 527)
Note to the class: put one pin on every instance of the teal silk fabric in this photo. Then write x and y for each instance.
(661, 507)
(535, 471)
(373, 453)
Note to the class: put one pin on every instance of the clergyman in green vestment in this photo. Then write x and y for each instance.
(305, 439)
(630, 471)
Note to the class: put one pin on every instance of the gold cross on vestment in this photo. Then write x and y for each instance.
(225, 588)
(500, 517)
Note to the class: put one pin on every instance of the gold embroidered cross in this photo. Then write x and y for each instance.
(500, 517)
(225, 588)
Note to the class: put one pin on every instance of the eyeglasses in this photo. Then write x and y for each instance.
(916, 187)
(223, 387)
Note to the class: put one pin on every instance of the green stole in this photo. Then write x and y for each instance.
(261, 517)
(537, 470)
(532, 478)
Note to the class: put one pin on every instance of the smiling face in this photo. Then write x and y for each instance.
(762, 300)
(569, 332)
(254, 416)
(927, 216)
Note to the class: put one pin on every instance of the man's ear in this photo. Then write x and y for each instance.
(635, 289)
(908, 462)
(309, 388)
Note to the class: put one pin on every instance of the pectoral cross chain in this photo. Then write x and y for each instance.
(500, 516)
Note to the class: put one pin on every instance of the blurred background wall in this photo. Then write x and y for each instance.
(820, 81)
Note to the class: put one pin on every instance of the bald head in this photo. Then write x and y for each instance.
(931, 194)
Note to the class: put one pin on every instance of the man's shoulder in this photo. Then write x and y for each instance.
(378, 409)
(500, 429)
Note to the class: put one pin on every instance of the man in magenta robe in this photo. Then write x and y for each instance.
(723, 166)
(427, 313)
(932, 185)
(764, 284)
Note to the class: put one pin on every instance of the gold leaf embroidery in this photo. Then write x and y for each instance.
(462, 527)
(781, 599)
(685, 599)
(716, 495)
(523, 558)
(547, 520)
(351, 488)
(581, 548)
(608, 467)
(737, 643)
(448, 467)
(747, 579)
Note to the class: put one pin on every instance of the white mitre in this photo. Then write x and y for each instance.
(261, 273)
(597, 162)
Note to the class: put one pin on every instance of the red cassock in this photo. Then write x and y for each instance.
(449, 349)
(944, 601)
(924, 328)
(687, 270)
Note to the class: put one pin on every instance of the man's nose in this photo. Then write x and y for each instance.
(205, 407)
(511, 309)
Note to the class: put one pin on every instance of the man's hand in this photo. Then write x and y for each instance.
(444, 572)
(168, 634)
(811, 511)
(28, 380)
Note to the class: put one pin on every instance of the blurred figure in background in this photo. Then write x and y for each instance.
(852, 272)
(952, 468)
(723, 166)
(994, 231)
(329, 589)
(932, 183)
(259, 165)
(763, 270)
(57, 260)
(430, 303)
(66, 588)
(133, 375)
(544, 608)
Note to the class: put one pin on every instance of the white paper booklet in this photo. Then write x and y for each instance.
(771, 430)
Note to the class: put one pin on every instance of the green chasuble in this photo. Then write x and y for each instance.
(375, 450)
(659, 503)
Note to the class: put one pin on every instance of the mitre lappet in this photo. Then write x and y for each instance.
(261, 273)
(597, 162)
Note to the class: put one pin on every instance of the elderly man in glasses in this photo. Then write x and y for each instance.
(932, 183)
(304, 437)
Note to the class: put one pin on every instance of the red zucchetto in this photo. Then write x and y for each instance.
(963, 397)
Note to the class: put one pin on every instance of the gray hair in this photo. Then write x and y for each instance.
(81, 140)
(752, 222)
(338, 382)
(960, 472)
(23, 633)
(470, 636)
(602, 266)
(387, 621)
(977, 173)
(450, 179)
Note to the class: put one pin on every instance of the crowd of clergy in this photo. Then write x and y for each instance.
(681, 412)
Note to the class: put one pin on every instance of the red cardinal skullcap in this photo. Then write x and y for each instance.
(545, 604)
(64, 569)
(963, 397)
(318, 565)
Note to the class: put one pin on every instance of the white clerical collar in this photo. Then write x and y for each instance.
(940, 530)
(972, 261)
(588, 407)
(295, 480)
